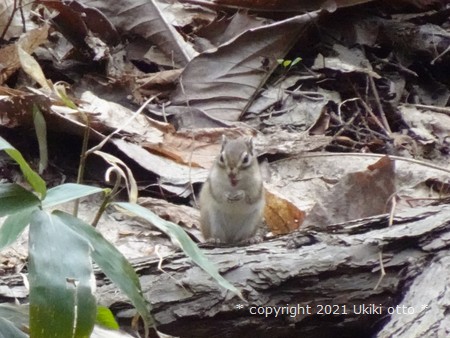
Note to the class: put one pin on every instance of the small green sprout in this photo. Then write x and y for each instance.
(289, 63)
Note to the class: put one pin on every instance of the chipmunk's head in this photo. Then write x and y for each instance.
(236, 157)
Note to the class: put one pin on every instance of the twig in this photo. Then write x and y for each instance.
(312, 96)
(161, 258)
(371, 113)
(382, 271)
(379, 106)
(22, 16)
(118, 130)
(352, 118)
(442, 110)
(396, 65)
(398, 158)
(393, 207)
(190, 178)
(9, 20)
(440, 55)
(82, 164)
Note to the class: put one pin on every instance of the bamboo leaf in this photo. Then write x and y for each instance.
(30, 175)
(62, 303)
(178, 235)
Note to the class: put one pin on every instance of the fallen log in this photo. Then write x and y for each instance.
(358, 279)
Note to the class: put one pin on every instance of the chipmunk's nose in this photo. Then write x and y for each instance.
(233, 179)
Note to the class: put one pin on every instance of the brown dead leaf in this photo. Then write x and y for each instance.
(79, 24)
(345, 60)
(281, 215)
(173, 177)
(322, 123)
(222, 82)
(160, 84)
(146, 19)
(16, 107)
(106, 116)
(196, 148)
(95, 20)
(9, 58)
(358, 195)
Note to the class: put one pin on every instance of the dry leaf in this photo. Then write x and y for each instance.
(32, 67)
(281, 215)
(29, 41)
(357, 195)
(145, 18)
(222, 82)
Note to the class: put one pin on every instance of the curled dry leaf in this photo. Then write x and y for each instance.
(281, 215)
(357, 195)
(32, 68)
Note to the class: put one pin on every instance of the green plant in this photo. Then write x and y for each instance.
(288, 64)
(62, 302)
(60, 272)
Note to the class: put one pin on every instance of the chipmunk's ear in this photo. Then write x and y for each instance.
(249, 142)
(224, 141)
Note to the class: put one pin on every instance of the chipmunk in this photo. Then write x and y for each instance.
(232, 198)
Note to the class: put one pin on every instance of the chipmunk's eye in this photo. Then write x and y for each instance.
(246, 160)
(221, 159)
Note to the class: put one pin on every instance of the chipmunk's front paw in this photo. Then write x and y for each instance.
(253, 240)
(214, 241)
(235, 196)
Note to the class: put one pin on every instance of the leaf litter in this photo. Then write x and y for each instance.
(369, 85)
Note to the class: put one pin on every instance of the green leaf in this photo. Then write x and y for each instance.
(106, 319)
(31, 176)
(41, 134)
(14, 198)
(286, 63)
(17, 315)
(296, 60)
(61, 279)
(112, 262)
(178, 235)
(13, 226)
(8, 330)
(61, 91)
(68, 192)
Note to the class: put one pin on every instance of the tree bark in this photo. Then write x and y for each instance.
(305, 284)
(311, 284)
